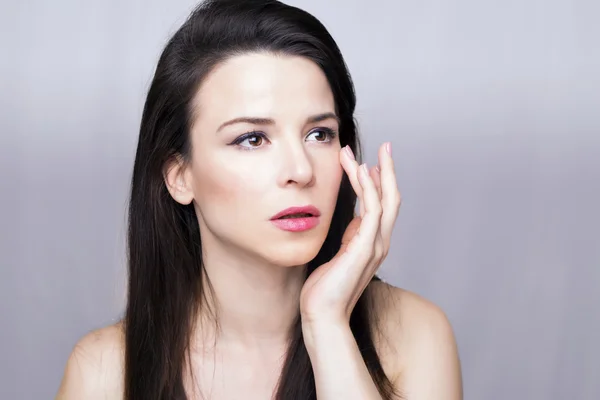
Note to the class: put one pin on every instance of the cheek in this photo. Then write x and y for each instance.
(224, 192)
(331, 175)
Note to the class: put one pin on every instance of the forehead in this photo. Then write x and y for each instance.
(263, 85)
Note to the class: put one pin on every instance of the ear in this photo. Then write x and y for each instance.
(179, 180)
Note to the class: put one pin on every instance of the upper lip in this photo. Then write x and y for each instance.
(314, 211)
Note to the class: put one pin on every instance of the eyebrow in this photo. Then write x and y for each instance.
(268, 121)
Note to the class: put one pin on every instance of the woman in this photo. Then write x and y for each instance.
(249, 275)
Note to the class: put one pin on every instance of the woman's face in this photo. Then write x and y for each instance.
(240, 182)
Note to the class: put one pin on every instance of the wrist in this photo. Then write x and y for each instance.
(325, 333)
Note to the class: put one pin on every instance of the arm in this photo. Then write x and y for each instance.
(339, 369)
(428, 366)
(332, 290)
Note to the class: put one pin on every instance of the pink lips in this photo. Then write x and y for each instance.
(297, 224)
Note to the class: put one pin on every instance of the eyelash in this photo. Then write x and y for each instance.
(331, 134)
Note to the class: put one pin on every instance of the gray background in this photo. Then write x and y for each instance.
(493, 111)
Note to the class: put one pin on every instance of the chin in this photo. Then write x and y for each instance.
(293, 252)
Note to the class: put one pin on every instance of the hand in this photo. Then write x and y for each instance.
(332, 290)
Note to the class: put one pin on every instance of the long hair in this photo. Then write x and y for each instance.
(165, 263)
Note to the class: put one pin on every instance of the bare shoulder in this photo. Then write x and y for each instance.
(417, 345)
(94, 369)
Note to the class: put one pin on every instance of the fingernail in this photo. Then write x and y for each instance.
(365, 169)
(349, 152)
(377, 168)
(388, 148)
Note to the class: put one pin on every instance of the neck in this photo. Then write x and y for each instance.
(248, 302)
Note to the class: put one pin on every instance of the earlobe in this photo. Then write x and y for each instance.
(177, 182)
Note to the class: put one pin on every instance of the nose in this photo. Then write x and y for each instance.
(296, 166)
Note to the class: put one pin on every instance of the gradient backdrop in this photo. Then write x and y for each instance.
(493, 108)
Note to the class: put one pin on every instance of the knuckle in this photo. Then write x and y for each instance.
(397, 199)
(377, 209)
(371, 257)
(379, 251)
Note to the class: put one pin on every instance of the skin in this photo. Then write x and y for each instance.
(256, 269)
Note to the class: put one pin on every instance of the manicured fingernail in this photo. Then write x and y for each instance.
(349, 152)
(377, 168)
(388, 148)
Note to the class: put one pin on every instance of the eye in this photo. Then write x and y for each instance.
(323, 134)
(250, 140)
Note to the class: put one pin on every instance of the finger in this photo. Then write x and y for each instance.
(390, 195)
(374, 173)
(371, 219)
(351, 167)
